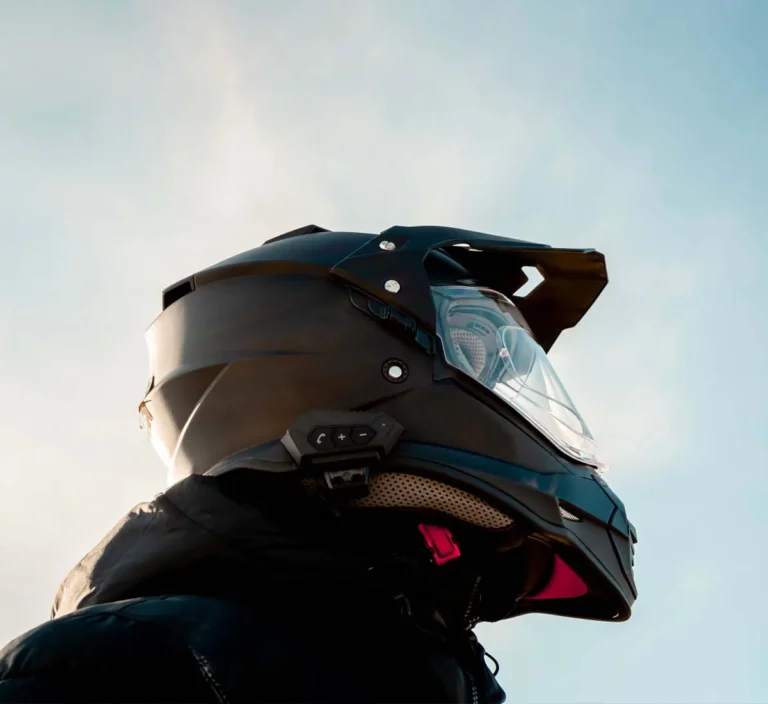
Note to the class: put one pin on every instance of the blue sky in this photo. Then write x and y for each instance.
(141, 141)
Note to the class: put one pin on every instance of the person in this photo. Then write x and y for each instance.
(369, 453)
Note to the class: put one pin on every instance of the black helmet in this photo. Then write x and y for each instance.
(404, 372)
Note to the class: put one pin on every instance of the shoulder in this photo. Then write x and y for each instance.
(200, 649)
(125, 650)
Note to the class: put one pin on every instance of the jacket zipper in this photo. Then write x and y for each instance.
(473, 689)
(468, 624)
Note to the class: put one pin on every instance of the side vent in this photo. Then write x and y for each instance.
(534, 278)
(178, 291)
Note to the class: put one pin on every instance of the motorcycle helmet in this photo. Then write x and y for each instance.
(404, 372)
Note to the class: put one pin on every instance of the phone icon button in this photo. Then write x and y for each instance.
(320, 438)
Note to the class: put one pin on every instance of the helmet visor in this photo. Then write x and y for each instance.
(485, 336)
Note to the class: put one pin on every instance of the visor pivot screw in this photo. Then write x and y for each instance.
(392, 286)
(395, 371)
(387, 246)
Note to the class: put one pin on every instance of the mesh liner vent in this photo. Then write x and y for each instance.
(469, 347)
(396, 490)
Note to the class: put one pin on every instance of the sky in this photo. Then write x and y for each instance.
(143, 141)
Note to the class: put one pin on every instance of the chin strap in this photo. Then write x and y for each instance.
(444, 548)
(479, 681)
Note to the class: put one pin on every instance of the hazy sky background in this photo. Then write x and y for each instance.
(141, 141)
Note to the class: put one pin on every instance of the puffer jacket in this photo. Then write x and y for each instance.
(222, 590)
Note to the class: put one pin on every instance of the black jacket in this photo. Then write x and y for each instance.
(212, 593)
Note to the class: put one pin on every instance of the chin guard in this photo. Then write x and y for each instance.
(339, 448)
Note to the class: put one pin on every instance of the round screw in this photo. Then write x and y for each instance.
(395, 370)
(387, 246)
(392, 286)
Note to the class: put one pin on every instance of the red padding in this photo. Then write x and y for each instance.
(564, 584)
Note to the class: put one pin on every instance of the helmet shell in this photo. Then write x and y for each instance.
(308, 321)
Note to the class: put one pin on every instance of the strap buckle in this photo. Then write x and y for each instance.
(440, 542)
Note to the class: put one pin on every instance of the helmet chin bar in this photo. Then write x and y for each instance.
(338, 456)
(339, 448)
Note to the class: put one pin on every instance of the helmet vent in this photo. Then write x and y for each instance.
(467, 247)
(177, 292)
(534, 278)
(306, 230)
(568, 515)
(408, 491)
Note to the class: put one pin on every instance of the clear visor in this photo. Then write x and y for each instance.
(485, 336)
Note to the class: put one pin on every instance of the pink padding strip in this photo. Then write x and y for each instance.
(564, 584)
